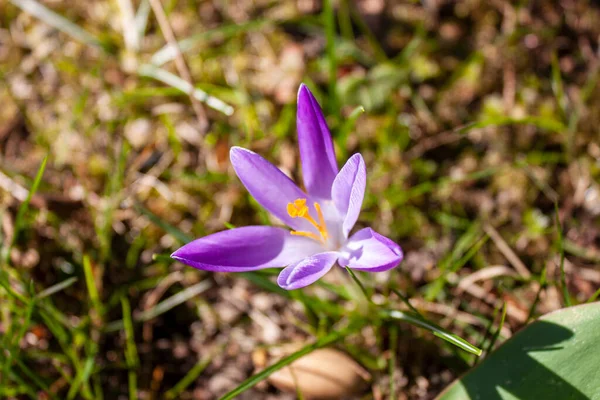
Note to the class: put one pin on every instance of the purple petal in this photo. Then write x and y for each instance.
(246, 249)
(307, 271)
(348, 191)
(271, 188)
(369, 251)
(319, 166)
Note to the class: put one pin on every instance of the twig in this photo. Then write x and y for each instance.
(489, 298)
(505, 249)
(180, 63)
(441, 139)
(484, 274)
(12, 187)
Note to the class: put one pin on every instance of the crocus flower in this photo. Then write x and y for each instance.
(320, 218)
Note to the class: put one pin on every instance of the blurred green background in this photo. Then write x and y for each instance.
(480, 134)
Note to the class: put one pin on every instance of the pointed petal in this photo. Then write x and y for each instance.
(319, 166)
(348, 191)
(271, 188)
(369, 251)
(307, 271)
(246, 249)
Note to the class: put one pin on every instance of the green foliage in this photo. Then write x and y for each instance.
(552, 358)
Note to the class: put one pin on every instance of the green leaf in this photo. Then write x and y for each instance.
(555, 357)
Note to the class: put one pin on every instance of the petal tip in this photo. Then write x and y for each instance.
(305, 96)
(289, 283)
(181, 254)
(176, 255)
(237, 152)
(234, 150)
(359, 157)
(303, 89)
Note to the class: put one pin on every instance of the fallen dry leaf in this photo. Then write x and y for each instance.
(322, 374)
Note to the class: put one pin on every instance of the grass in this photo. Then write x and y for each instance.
(469, 122)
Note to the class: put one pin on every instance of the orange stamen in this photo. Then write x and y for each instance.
(307, 234)
(298, 209)
(322, 224)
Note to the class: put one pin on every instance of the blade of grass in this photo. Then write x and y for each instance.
(430, 186)
(131, 354)
(323, 342)
(112, 195)
(378, 51)
(468, 244)
(263, 282)
(497, 333)
(543, 283)
(82, 377)
(11, 339)
(351, 121)
(23, 210)
(56, 288)
(359, 284)
(488, 332)
(163, 306)
(57, 21)
(594, 296)
(162, 258)
(410, 50)
(25, 206)
(23, 388)
(561, 248)
(392, 362)
(329, 23)
(179, 235)
(438, 285)
(170, 79)
(406, 301)
(39, 382)
(579, 251)
(545, 123)
(96, 317)
(558, 87)
(342, 136)
(141, 18)
(345, 21)
(180, 62)
(433, 328)
(128, 26)
(91, 286)
(190, 377)
(56, 324)
(168, 52)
